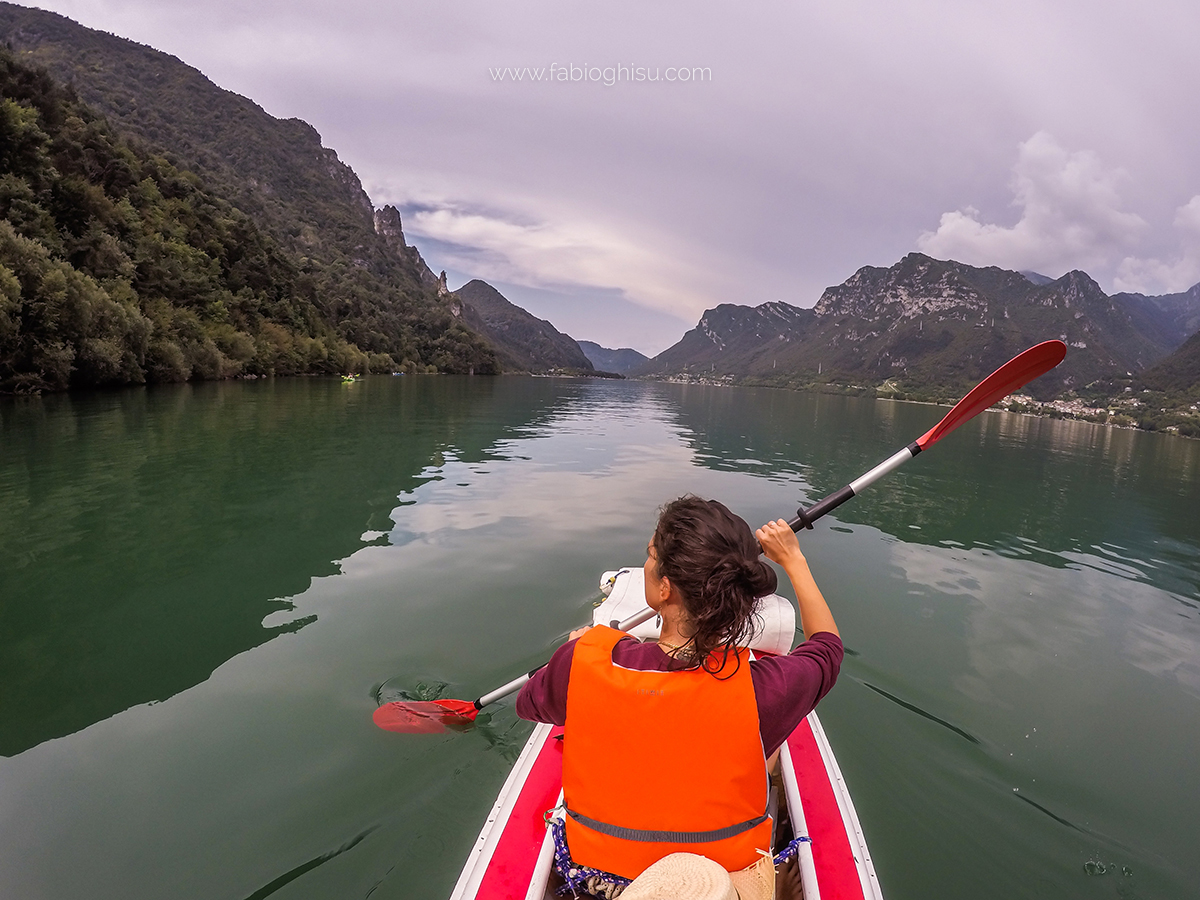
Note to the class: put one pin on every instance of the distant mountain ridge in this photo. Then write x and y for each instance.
(1178, 372)
(736, 339)
(926, 325)
(1177, 315)
(623, 361)
(1036, 277)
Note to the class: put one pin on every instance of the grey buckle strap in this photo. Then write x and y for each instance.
(666, 837)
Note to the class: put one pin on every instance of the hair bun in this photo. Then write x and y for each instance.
(760, 578)
(753, 576)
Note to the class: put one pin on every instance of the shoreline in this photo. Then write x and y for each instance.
(1020, 404)
(1116, 415)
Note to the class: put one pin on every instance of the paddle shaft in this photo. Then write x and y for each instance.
(517, 683)
(805, 517)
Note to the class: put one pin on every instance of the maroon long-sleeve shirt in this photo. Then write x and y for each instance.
(787, 688)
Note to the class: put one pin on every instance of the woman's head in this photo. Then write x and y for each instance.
(711, 560)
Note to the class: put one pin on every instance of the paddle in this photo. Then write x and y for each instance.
(1017, 372)
(434, 716)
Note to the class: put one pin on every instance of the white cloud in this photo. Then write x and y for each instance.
(1187, 217)
(1153, 276)
(519, 249)
(1071, 216)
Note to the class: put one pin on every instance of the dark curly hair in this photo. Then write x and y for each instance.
(711, 558)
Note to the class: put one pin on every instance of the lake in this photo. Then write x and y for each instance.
(205, 589)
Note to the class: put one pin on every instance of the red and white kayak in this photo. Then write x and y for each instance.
(512, 859)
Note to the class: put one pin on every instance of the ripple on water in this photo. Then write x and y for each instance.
(1168, 565)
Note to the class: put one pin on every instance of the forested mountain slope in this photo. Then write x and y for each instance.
(274, 171)
(522, 341)
(1174, 315)
(1179, 372)
(116, 267)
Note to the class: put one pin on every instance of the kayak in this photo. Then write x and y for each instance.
(512, 859)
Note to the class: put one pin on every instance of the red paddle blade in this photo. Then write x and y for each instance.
(425, 716)
(1017, 372)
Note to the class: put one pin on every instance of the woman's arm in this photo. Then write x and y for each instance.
(780, 545)
(544, 696)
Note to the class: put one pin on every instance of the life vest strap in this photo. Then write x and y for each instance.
(667, 837)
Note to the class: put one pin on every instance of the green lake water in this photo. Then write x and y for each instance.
(205, 588)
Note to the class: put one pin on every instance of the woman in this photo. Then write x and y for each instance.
(666, 742)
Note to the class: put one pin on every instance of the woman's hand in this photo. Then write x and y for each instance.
(579, 632)
(779, 542)
(781, 546)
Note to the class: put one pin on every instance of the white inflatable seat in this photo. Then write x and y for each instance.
(625, 594)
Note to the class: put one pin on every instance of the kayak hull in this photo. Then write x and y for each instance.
(513, 854)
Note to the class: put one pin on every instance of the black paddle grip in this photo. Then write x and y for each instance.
(805, 517)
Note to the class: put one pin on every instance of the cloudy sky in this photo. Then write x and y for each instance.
(807, 139)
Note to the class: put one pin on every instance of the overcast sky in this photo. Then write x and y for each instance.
(809, 138)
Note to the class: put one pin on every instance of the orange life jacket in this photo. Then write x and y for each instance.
(659, 762)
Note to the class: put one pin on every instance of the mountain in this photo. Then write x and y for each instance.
(621, 362)
(521, 341)
(924, 327)
(733, 339)
(274, 171)
(116, 267)
(1176, 316)
(1179, 372)
(927, 322)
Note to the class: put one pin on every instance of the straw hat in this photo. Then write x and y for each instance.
(682, 876)
(688, 876)
(756, 882)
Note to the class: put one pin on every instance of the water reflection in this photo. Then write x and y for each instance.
(147, 536)
(1019, 617)
(1059, 491)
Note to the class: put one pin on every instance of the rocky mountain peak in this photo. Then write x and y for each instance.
(1080, 286)
(731, 322)
(388, 227)
(777, 309)
(916, 286)
(1075, 290)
